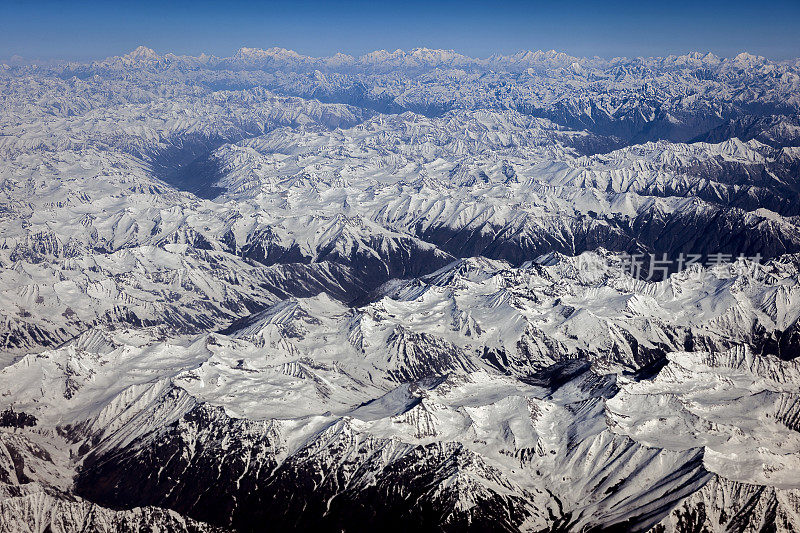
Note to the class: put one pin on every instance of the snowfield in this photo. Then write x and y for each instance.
(329, 293)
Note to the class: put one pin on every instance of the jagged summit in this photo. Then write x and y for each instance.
(274, 52)
(433, 56)
(142, 53)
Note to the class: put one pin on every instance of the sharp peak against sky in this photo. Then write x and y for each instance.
(430, 55)
(419, 57)
(91, 29)
(143, 52)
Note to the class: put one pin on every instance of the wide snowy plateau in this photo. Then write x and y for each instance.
(277, 292)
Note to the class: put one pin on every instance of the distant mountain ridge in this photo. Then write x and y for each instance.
(429, 58)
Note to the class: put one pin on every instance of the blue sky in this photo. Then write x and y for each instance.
(95, 29)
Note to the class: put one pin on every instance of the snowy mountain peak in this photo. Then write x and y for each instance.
(747, 59)
(142, 53)
(269, 53)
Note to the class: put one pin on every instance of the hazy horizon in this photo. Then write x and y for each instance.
(23, 60)
(93, 30)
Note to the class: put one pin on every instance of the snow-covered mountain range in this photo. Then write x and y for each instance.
(397, 289)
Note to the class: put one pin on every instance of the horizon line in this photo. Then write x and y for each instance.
(22, 60)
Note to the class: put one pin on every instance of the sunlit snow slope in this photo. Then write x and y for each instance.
(286, 292)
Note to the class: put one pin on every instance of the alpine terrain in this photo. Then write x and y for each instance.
(411, 290)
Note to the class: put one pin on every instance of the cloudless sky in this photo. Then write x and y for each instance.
(94, 29)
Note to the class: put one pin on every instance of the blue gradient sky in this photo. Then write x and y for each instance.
(94, 29)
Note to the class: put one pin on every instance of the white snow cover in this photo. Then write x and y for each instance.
(418, 279)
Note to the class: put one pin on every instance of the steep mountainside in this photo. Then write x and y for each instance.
(406, 290)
